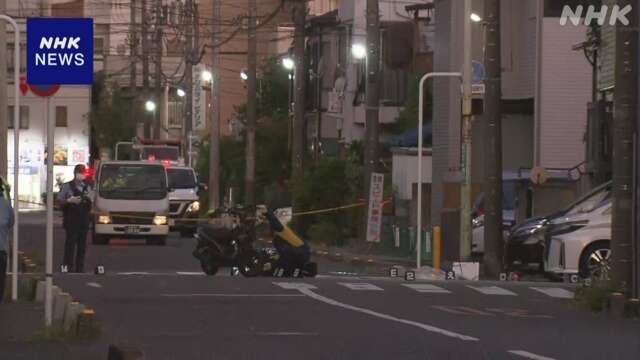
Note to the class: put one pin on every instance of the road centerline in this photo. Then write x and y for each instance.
(529, 355)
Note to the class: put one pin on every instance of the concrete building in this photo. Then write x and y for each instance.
(68, 108)
(545, 91)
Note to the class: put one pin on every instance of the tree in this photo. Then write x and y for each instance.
(407, 119)
(110, 116)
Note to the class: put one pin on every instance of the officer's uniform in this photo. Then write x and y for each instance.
(76, 220)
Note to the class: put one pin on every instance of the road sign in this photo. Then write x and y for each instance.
(44, 90)
(59, 51)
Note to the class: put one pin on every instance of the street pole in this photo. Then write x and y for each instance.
(624, 117)
(299, 79)
(3, 94)
(372, 99)
(188, 77)
(158, 69)
(133, 46)
(16, 154)
(250, 151)
(214, 142)
(494, 247)
(145, 65)
(465, 190)
(48, 307)
(420, 144)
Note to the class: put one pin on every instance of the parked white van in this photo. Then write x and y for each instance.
(131, 201)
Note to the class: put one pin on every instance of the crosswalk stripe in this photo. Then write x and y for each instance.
(492, 290)
(361, 286)
(294, 285)
(427, 288)
(554, 292)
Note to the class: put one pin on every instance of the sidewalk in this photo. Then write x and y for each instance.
(19, 324)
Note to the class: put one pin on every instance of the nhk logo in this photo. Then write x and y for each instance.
(616, 15)
(59, 51)
(63, 59)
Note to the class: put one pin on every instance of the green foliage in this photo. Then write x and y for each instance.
(325, 232)
(111, 120)
(407, 118)
(596, 297)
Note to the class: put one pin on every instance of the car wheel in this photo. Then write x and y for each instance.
(250, 264)
(208, 267)
(595, 261)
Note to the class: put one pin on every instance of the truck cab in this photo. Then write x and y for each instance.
(183, 199)
(131, 201)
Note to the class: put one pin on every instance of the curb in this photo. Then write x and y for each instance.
(357, 259)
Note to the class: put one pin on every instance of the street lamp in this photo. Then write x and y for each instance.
(475, 17)
(359, 51)
(206, 76)
(288, 63)
(181, 93)
(150, 106)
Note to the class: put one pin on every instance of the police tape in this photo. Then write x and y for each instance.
(199, 220)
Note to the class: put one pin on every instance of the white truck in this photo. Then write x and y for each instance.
(184, 204)
(131, 201)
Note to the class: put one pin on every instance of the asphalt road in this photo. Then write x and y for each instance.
(156, 299)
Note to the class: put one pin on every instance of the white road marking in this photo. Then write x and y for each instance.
(361, 286)
(311, 294)
(134, 273)
(94, 284)
(294, 285)
(190, 273)
(554, 292)
(528, 355)
(232, 295)
(286, 333)
(427, 288)
(492, 290)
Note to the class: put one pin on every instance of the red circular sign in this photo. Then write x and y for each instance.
(44, 90)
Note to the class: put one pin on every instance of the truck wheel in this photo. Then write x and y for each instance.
(99, 240)
(157, 240)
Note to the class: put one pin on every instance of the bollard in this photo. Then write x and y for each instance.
(60, 303)
(71, 314)
(437, 238)
(40, 289)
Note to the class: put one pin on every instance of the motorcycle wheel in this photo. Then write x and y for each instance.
(208, 267)
(250, 264)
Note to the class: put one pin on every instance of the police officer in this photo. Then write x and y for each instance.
(75, 199)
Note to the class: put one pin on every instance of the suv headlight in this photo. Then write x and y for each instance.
(194, 207)
(565, 228)
(160, 220)
(477, 222)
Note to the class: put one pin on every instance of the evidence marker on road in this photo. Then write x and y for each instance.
(409, 275)
(99, 270)
(394, 272)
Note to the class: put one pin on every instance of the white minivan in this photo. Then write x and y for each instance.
(131, 201)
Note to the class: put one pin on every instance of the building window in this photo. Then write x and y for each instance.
(61, 116)
(24, 117)
(176, 114)
(98, 46)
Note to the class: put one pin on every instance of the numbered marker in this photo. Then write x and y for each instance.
(410, 275)
(297, 273)
(235, 271)
(587, 282)
(451, 275)
(64, 268)
(503, 277)
(278, 272)
(394, 272)
(574, 278)
(99, 270)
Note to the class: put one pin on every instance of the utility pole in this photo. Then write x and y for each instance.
(145, 66)
(494, 246)
(300, 79)
(158, 70)
(372, 98)
(624, 117)
(250, 155)
(214, 142)
(133, 51)
(188, 77)
(465, 190)
(3, 94)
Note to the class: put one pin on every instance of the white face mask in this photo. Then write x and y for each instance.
(79, 177)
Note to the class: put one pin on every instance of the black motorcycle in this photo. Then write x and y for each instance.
(228, 244)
